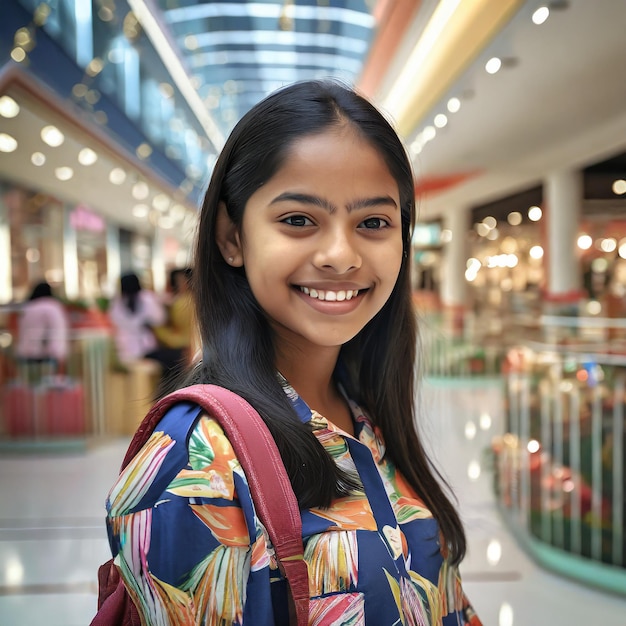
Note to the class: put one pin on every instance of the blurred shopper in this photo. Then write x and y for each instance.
(43, 328)
(134, 313)
(176, 337)
(178, 333)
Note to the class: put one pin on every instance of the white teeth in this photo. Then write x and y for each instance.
(330, 296)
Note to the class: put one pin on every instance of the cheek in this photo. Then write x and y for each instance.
(394, 260)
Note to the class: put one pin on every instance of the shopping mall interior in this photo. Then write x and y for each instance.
(513, 114)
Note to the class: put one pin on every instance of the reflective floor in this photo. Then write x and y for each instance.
(52, 536)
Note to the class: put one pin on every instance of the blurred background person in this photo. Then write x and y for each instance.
(43, 329)
(177, 337)
(134, 313)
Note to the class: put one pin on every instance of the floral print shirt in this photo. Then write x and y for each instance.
(191, 549)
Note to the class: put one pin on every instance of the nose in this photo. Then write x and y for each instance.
(337, 252)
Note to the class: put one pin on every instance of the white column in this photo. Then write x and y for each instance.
(6, 276)
(70, 256)
(454, 292)
(159, 279)
(114, 261)
(51, 245)
(564, 198)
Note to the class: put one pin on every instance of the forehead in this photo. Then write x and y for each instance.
(337, 155)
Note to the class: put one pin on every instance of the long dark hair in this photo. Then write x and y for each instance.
(130, 288)
(41, 290)
(238, 350)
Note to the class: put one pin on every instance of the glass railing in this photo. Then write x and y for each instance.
(559, 470)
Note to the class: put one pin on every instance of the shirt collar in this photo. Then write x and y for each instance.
(301, 408)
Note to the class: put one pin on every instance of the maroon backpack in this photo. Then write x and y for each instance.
(270, 487)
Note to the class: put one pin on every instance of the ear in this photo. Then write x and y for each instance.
(228, 238)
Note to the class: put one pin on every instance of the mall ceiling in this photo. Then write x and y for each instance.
(238, 52)
(558, 101)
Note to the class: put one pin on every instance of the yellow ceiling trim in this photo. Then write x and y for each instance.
(456, 33)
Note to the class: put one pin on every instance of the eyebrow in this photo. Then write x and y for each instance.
(361, 203)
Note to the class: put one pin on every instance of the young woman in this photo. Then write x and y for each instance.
(302, 291)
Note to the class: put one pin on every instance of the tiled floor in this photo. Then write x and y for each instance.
(52, 535)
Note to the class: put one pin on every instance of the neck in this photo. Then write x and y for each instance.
(311, 375)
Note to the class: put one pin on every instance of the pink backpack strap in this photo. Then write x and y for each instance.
(273, 497)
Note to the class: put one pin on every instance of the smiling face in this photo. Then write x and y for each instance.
(321, 241)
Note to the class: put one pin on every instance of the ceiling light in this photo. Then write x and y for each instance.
(38, 158)
(22, 37)
(429, 133)
(140, 190)
(64, 173)
(117, 176)
(490, 222)
(608, 245)
(94, 67)
(178, 212)
(92, 96)
(584, 242)
(454, 104)
(482, 229)
(534, 213)
(167, 91)
(599, 265)
(619, 187)
(52, 136)
(143, 151)
(493, 65)
(141, 210)
(18, 54)
(8, 107)
(514, 218)
(161, 202)
(441, 120)
(541, 15)
(536, 252)
(105, 14)
(191, 42)
(416, 148)
(87, 156)
(7, 143)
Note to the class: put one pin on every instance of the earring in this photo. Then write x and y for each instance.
(231, 259)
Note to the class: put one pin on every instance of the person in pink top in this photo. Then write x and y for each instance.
(134, 313)
(43, 328)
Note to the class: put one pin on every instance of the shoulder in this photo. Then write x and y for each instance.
(186, 443)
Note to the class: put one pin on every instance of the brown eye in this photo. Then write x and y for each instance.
(297, 220)
(374, 223)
